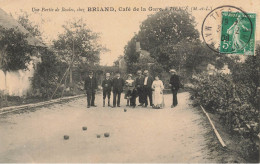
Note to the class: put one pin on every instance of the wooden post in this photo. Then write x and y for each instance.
(214, 128)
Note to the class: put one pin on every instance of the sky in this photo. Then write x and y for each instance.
(115, 28)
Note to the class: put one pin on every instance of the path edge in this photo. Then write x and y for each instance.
(33, 105)
(214, 128)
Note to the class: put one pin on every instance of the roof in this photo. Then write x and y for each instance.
(9, 22)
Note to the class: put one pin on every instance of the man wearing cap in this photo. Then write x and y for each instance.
(107, 85)
(139, 83)
(147, 89)
(91, 87)
(175, 85)
(117, 84)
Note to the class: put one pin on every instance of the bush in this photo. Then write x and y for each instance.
(47, 75)
(232, 101)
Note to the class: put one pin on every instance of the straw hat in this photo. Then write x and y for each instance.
(139, 72)
(172, 71)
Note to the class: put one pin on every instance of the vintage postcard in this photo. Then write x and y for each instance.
(129, 81)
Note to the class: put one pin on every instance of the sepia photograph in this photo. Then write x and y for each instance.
(129, 81)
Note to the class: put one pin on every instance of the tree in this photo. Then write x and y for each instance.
(47, 73)
(78, 45)
(24, 20)
(16, 52)
(160, 33)
(131, 55)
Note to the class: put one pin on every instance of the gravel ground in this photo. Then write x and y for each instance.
(137, 135)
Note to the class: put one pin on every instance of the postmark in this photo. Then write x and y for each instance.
(236, 35)
(212, 26)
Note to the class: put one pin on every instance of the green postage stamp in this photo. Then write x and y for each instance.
(238, 33)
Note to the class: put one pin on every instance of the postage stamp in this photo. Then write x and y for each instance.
(212, 26)
(238, 33)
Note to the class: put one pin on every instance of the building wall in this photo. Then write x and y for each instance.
(17, 82)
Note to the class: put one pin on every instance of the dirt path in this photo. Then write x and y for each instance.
(138, 135)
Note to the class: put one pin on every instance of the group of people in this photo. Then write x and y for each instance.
(144, 87)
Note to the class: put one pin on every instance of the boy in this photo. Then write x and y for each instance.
(107, 85)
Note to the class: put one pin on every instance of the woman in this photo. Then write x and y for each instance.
(158, 87)
(129, 90)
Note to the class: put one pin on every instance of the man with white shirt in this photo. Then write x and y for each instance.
(147, 88)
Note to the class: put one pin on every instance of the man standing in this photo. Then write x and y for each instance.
(175, 85)
(107, 84)
(117, 84)
(147, 89)
(139, 83)
(91, 87)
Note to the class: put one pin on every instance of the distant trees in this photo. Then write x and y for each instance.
(172, 40)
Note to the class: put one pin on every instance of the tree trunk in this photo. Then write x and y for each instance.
(71, 75)
(65, 85)
(5, 90)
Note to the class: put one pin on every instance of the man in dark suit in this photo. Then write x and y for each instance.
(175, 85)
(139, 84)
(117, 84)
(107, 85)
(147, 88)
(91, 87)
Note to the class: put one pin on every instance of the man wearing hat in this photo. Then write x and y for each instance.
(117, 84)
(139, 83)
(91, 87)
(107, 85)
(147, 89)
(175, 85)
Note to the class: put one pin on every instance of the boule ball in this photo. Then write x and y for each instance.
(106, 134)
(125, 110)
(66, 137)
(98, 136)
(84, 128)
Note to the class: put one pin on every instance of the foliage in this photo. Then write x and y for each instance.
(165, 28)
(78, 38)
(234, 97)
(18, 51)
(79, 47)
(24, 20)
(173, 42)
(47, 74)
(131, 55)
